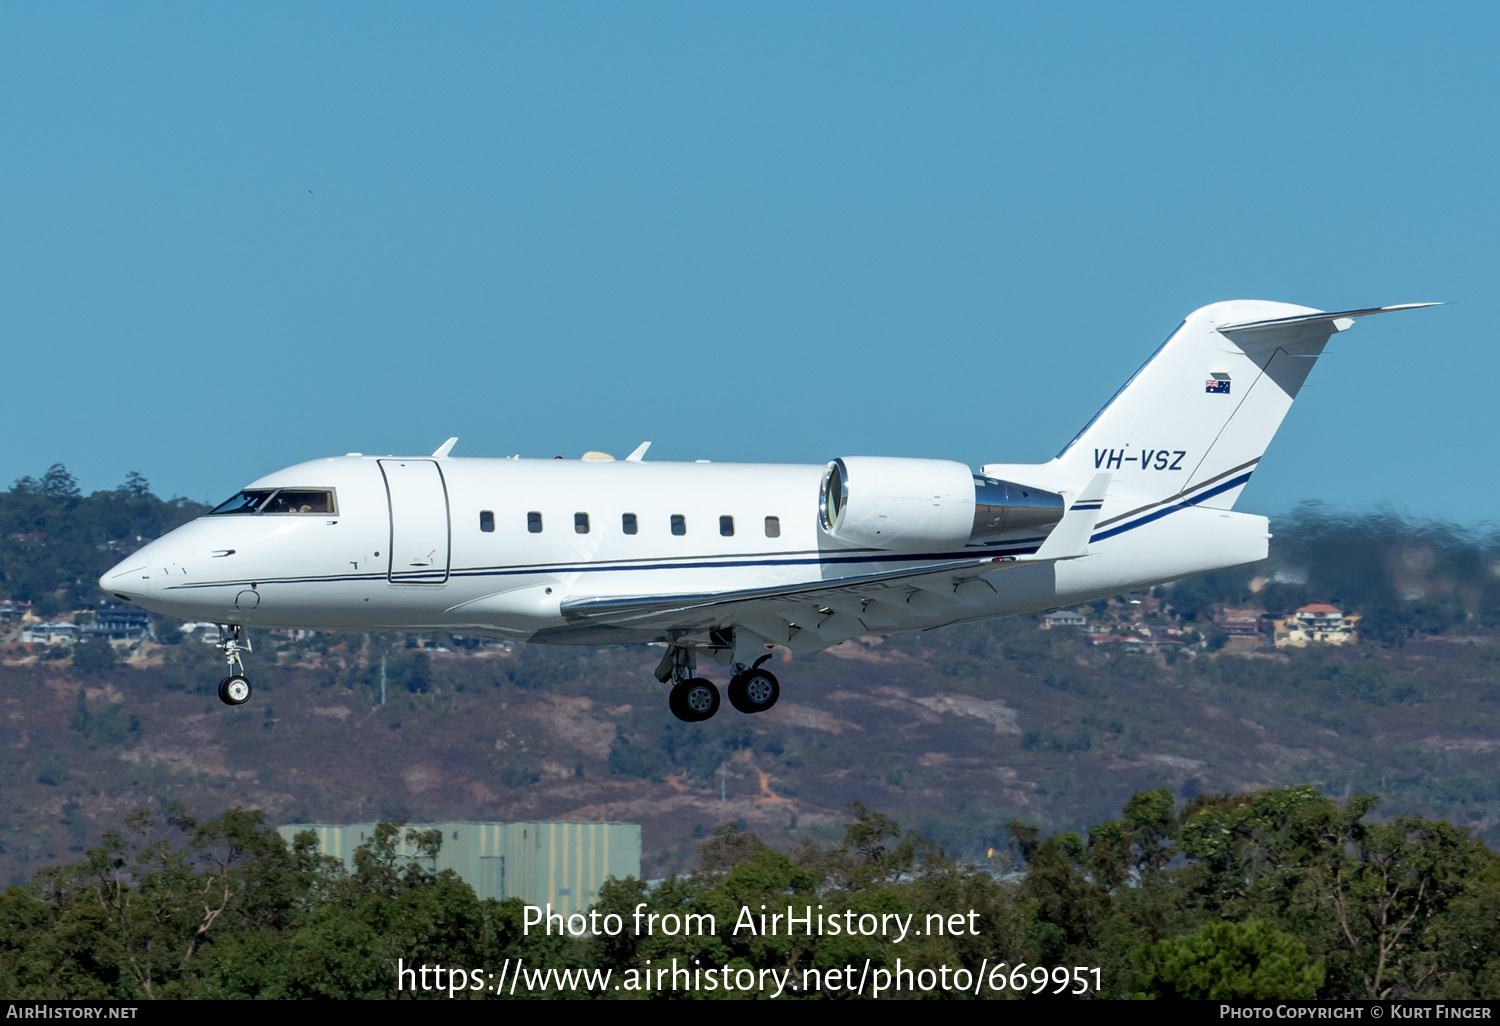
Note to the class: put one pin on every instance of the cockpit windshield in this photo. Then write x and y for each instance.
(279, 500)
(300, 500)
(248, 501)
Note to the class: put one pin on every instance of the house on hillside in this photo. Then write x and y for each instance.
(1240, 622)
(1062, 618)
(1138, 642)
(208, 633)
(1316, 624)
(1158, 643)
(291, 634)
(59, 633)
(118, 621)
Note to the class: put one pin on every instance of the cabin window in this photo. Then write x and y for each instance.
(487, 521)
(726, 526)
(773, 527)
(581, 523)
(534, 522)
(679, 524)
(627, 523)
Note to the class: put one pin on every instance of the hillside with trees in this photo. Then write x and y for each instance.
(56, 541)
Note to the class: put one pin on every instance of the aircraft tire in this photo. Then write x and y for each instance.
(694, 700)
(234, 690)
(754, 691)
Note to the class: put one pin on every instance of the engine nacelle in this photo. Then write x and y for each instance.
(1005, 509)
(911, 505)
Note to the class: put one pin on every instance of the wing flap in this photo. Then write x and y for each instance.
(692, 610)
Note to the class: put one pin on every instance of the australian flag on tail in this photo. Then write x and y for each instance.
(1218, 384)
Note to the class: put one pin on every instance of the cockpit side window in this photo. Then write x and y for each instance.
(248, 501)
(301, 500)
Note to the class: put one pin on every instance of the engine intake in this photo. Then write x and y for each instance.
(911, 505)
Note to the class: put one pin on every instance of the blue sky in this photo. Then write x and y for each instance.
(233, 237)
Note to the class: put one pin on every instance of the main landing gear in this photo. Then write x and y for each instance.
(754, 690)
(694, 698)
(235, 688)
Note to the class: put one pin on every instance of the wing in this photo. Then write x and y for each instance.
(811, 616)
(805, 617)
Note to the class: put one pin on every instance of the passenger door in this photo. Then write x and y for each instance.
(420, 529)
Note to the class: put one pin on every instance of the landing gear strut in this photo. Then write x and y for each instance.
(235, 688)
(694, 698)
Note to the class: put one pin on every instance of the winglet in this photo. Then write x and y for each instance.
(444, 449)
(1070, 538)
(640, 453)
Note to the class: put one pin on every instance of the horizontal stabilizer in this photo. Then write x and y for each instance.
(1070, 538)
(1332, 317)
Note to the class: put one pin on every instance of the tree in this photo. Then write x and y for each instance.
(1072, 907)
(1367, 898)
(1402, 876)
(1229, 961)
(727, 848)
(58, 484)
(135, 486)
(93, 656)
(382, 864)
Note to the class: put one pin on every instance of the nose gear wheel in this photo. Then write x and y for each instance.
(234, 690)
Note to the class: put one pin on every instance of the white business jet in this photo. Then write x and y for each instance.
(730, 560)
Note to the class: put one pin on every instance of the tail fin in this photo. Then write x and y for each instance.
(1191, 425)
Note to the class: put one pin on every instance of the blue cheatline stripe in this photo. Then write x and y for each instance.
(1173, 498)
(1148, 518)
(574, 568)
(710, 564)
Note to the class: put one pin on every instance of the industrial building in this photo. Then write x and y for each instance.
(563, 863)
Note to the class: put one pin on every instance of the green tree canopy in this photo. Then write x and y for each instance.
(1246, 961)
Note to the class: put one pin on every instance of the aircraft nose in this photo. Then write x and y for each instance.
(129, 579)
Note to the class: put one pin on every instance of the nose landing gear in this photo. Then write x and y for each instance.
(234, 689)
